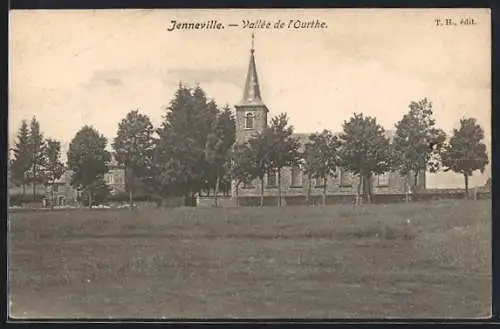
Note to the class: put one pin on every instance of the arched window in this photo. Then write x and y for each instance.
(249, 118)
(271, 178)
(295, 176)
(345, 178)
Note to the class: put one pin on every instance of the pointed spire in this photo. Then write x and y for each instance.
(251, 94)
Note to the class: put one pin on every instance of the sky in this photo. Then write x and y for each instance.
(71, 68)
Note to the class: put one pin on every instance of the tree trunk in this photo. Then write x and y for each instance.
(24, 189)
(466, 177)
(130, 179)
(368, 188)
(309, 187)
(407, 188)
(363, 189)
(33, 182)
(216, 191)
(262, 191)
(324, 191)
(415, 181)
(279, 187)
(90, 199)
(130, 198)
(34, 190)
(53, 195)
(358, 190)
(237, 194)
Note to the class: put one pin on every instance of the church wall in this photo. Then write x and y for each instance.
(393, 183)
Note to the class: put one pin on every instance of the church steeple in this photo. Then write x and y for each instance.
(251, 112)
(251, 93)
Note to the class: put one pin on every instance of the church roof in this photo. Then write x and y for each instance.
(304, 137)
(251, 93)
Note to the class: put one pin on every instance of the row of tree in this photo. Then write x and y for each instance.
(187, 154)
(364, 149)
(36, 160)
(194, 149)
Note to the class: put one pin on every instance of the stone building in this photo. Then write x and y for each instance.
(115, 177)
(252, 117)
(62, 191)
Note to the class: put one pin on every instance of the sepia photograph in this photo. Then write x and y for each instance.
(249, 164)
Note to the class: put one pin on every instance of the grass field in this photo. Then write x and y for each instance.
(404, 260)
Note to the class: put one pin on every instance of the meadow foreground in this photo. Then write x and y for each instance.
(430, 260)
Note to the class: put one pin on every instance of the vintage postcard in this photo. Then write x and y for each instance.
(262, 164)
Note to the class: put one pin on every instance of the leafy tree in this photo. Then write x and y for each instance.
(321, 157)
(466, 152)
(204, 113)
(166, 169)
(21, 161)
(240, 169)
(364, 151)
(203, 123)
(488, 184)
(259, 157)
(88, 159)
(54, 167)
(179, 164)
(308, 156)
(218, 146)
(284, 150)
(100, 193)
(133, 147)
(417, 142)
(37, 152)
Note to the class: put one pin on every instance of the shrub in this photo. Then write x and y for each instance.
(100, 194)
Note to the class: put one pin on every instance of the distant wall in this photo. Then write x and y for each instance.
(167, 203)
(208, 202)
(271, 200)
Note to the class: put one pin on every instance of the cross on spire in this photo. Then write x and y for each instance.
(253, 39)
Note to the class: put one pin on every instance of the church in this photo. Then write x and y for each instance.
(252, 117)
